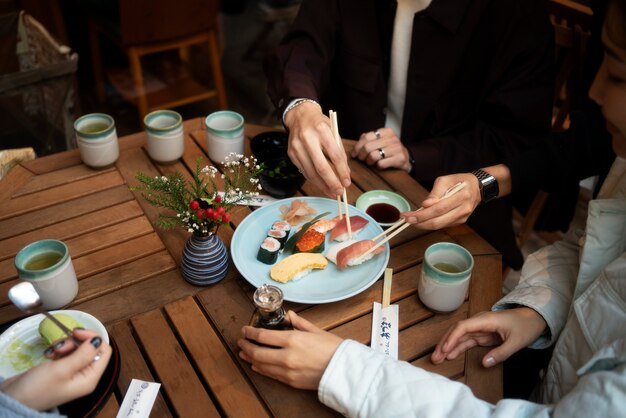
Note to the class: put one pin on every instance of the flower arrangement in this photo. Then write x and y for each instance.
(198, 205)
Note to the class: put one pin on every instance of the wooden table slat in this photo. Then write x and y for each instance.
(26, 222)
(180, 382)
(133, 366)
(71, 228)
(54, 195)
(213, 360)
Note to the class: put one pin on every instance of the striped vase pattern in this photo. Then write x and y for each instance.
(205, 260)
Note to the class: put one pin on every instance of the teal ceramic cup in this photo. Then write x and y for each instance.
(164, 129)
(445, 277)
(97, 140)
(48, 266)
(224, 134)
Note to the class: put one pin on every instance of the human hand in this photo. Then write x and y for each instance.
(510, 330)
(311, 141)
(76, 373)
(393, 154)
(439, 213)
(301, 355)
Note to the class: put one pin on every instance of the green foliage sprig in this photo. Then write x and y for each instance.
(198, 205)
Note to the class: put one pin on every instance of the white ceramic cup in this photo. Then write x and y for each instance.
(445, 277)
(97, 140)
(225, 134)
(48, 266)
(166, 142)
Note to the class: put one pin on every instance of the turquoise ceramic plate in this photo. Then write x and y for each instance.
(21, 346)
(382, 196)
(319, 286)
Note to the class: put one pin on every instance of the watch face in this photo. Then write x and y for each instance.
(488, 185)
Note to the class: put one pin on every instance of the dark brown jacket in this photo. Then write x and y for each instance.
(479, 86)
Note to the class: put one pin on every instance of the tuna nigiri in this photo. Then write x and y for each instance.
(340, 231)
(351, 255)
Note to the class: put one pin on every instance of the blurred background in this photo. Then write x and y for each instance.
(44, 86)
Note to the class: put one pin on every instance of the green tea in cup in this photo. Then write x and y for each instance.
(43, 260)
(48, 266)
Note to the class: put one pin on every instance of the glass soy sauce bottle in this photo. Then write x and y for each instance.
(269, 312)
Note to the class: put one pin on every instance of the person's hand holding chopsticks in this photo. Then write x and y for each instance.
(437, 213)
(312, 148)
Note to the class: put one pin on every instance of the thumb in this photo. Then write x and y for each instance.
(300, 323)
(498, 354)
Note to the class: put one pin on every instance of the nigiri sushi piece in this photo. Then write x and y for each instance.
(325, 225)
(351, 255)
(340, 231)
(331, 253)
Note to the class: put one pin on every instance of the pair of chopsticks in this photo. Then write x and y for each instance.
(387, 287)
(401, 225)
(335, 129)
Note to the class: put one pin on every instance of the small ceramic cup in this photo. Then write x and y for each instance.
(97, 140)
(225, 134)
(445, 277)
(166, 142)
(48, 266)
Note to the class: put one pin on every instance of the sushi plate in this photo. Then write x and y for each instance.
(319, 286)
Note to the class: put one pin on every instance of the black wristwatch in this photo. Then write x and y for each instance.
(488, 185)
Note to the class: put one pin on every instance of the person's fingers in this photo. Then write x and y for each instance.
(499, 354)
(300, 323)
(479, 323)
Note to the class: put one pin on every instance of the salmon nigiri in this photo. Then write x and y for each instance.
(340, 231)
(351, 255)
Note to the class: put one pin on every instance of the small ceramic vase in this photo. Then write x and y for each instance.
(205, 260)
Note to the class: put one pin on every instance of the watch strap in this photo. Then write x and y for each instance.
(488, 184)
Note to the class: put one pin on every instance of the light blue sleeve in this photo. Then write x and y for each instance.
(10, 408)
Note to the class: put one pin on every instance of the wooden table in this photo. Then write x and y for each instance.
(184, 336)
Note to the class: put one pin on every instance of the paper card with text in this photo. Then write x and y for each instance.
(385, 329)
(139, 399)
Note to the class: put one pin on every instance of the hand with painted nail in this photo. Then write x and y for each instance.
(509, 331)
(75, 372)
(300, 356)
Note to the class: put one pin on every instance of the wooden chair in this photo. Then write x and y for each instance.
(571, 22)
(147, 27)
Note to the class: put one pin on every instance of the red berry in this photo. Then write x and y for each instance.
(215, 215)
(221, 210)
(218, 198)
(226, 217)
(200, 214)
(209, 212)
(194, 205)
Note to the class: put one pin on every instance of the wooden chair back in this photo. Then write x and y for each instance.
(151, 21)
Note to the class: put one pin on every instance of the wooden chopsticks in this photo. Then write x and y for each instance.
(401, 225)
(335, 129)
(387, 287)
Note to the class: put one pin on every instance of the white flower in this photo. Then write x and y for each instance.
(189, 229)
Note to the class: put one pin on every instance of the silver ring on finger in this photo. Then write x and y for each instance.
(377, 135)
(97, 357)
(381, 151)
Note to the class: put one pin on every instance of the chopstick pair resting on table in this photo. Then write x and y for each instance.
(401, 225)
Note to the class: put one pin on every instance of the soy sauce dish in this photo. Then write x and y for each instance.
(382, 205)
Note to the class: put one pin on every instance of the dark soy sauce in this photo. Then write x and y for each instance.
(383, 213)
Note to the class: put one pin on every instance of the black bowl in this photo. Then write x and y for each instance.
(280, 178)
(269, 145)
